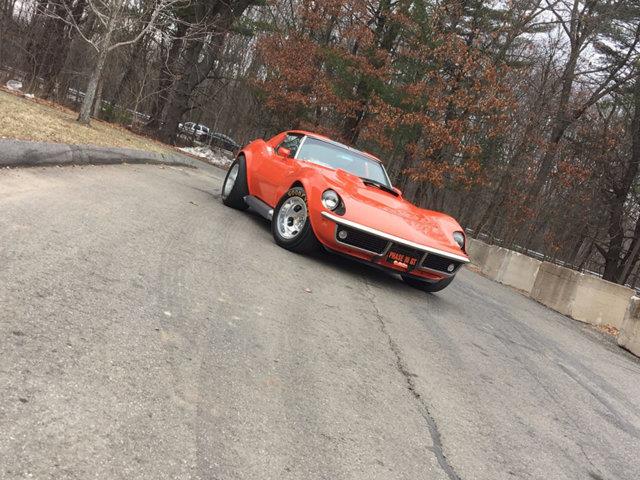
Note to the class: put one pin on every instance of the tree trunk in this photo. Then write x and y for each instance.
(384, 37)
(178, 102)
(632, 258)
(48, 51)
(127, 77)
(614, 269)
(353, 123)
(193, 72)
(561, 122)
(97, 103)
(92, 87)
(167, 75)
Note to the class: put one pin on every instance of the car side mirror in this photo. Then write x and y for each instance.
(397, 190)
(284, 152)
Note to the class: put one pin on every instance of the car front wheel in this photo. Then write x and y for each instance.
(291, 227)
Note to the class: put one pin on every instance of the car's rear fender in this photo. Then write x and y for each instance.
(247, 161)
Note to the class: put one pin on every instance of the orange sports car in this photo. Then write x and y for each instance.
(318, 192)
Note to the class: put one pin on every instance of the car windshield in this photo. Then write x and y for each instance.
(334, 156)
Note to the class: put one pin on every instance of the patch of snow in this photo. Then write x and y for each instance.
(29, 95)
(213, 157)
(14, 85)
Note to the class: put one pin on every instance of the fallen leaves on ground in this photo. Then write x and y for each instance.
(608, 329)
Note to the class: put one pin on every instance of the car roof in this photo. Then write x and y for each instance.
(329, 140)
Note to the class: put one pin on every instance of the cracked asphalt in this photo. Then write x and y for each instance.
(149, 332)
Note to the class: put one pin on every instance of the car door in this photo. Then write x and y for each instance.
(205, 132)
(198, 131)
(275, 169)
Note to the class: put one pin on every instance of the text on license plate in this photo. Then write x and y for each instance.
(398, 257)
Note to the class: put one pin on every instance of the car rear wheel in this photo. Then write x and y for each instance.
(291, 227)
(234, 187)
(430, 287)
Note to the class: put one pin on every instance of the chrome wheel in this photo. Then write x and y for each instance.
(292, 217)
(230, 181)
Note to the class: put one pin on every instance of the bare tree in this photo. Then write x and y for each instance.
(200, 54)
(119, 23)
(583, 22)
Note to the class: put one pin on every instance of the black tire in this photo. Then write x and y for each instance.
(235, 197)
(430, 287)
(304, 241)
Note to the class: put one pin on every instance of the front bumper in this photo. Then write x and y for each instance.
(371, 245)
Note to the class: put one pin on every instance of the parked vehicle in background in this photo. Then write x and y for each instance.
(203, 134)
(220, 140)
(196, 130)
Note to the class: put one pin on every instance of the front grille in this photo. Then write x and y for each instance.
(360, 239)
(441, 264)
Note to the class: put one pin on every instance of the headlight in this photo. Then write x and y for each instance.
(459, 239)
(330, 199)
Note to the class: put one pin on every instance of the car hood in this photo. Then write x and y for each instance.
(388, 213)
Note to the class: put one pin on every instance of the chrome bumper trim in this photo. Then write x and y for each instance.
(393, 238)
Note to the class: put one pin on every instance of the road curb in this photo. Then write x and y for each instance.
(21, 153)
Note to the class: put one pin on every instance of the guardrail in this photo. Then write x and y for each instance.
(589, 266)
(581, 296)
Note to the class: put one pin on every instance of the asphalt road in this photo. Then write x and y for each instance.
(149, 332)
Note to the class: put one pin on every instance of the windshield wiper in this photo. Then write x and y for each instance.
(381, 186)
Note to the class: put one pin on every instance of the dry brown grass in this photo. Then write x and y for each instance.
(43, 121)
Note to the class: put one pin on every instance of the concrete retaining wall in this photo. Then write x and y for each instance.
(629, 337)
(599, 302)
(478, 251)
(583, 297)
(494, 263)
(556, 287)
(520, 271)
(504, 266)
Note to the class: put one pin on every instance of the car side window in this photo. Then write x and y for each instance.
(292, 142)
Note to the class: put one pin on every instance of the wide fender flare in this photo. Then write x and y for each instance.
(248, 156)
(249, 152)
(313, 184)
(312, 187)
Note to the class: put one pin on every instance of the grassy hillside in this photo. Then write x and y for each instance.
(39, 120)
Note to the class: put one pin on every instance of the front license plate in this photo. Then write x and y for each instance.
(402, 260)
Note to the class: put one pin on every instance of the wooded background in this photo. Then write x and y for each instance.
(520, 118)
